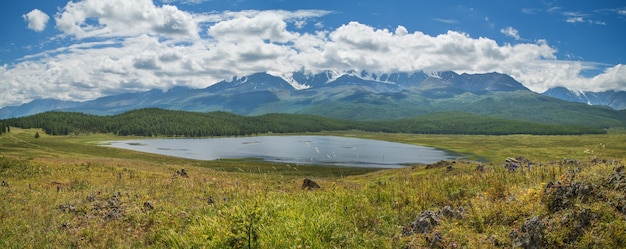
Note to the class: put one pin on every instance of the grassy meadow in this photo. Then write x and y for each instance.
(67, 191)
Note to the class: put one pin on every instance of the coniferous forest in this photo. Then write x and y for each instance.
(160, 122)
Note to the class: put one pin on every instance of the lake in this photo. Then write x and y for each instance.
(324, 150)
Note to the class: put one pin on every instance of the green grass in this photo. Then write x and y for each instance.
(65, 191)
(498, 148)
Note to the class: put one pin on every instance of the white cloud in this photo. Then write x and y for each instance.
(612, 78)
(448, 21)
(264, 26)
(109, 18)
(163, 48)
(37, 20)
(401, 31)
(575, 19)
(578, 17)
(489, 22)
(185, 1)
(510, 31)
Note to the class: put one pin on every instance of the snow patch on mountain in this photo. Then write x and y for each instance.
(289, 78)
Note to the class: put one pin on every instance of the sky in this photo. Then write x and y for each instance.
(84, 49)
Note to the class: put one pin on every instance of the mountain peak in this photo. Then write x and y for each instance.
(252, 83)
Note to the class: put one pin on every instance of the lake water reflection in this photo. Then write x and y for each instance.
(327, 150)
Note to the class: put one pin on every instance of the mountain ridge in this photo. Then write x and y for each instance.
(353, 95)
(611, 98)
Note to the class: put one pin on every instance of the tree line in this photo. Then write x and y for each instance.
(161, 122)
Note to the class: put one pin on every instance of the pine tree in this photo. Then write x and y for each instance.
(36, 134)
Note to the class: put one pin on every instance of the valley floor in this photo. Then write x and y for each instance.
(510, 191)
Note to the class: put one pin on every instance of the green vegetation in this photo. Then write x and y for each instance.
(159, 122)
(519, 105)
(66, 191)
(472, 124)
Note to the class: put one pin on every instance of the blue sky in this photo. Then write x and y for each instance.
(82, 50)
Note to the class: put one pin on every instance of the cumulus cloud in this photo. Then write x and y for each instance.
(612, 78)
(265, 25)
(107, 18)
(36, 19)
(510, 31)
(164, 48)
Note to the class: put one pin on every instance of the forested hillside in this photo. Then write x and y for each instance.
(472, 124)
(159, 122)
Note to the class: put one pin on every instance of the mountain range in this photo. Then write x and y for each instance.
(362, 96)
(613, 99)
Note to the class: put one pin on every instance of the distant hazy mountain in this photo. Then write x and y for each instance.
(36, 106)
(613, 99)
(353, 95)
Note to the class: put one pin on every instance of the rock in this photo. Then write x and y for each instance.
(309, 184)
(4, 183)
(210, 200)
(439, 164)
(67, 208)
(112, 208)
(147, 206)
(577, 224)
(582, 190)
(494, 241)
(584, 218)
(436, 241)
(480, 168)
(113, 214)
(449, 212)
(423, 224)
(511, 160)
(569, 161)
(558, 196)
(428, 219)
(66, 225)
(512, 164)
(183, 173)
(530, 236)
(617, 180)
(449, 167)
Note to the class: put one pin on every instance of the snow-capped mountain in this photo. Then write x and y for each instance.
(613, 99)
